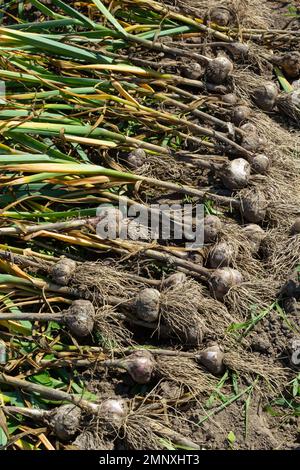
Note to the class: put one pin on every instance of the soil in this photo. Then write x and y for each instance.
(261, 433)
(267, 416)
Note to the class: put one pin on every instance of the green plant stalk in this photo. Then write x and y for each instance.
(287, 87)
(42, 116)
(34, 144)
(50, 78)
(36, 26)
(51, 129)
(44, 9)
(42, 44)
